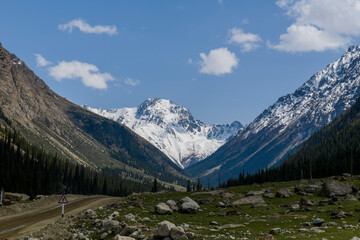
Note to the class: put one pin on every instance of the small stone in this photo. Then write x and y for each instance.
(275, 231)
(318, 222)
(213, 223)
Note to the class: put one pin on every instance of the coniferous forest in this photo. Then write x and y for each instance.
(26, 168)
(333, 150)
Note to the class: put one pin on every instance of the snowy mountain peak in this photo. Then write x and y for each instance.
(173, 129)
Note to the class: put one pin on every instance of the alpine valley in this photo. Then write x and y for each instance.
(172, 129)
(285, 125)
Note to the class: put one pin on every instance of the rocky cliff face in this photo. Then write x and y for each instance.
(281, 128)
(173, 129)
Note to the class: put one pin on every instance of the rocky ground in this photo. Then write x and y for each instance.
(318, 209)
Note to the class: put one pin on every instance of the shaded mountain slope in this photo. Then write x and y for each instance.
(59, 126)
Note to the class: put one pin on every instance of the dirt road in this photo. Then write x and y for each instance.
(24, 223)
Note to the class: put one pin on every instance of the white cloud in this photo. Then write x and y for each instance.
(88, 73)
(131, 82)
(83, 26)
(319, 25)
(218, 61)
(247, 41)
(190, 61)
(41, 61)
(220, 1)
(304, 38)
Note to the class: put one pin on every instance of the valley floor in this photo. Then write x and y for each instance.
(260, 211)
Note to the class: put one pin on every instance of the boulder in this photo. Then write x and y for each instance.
(118, 237)
(177, 233)
(163, 208)
(220, 204)
(253, 193)
(336, 188)
(305, 202)
(109, 225)
(312, 188)
(269, 195)
(128, 230)
(284, 193)
(203, 201)
(275, 231)
(248, 200)
(318, 222)
(187, 205)
(164, 228)
(172, 205)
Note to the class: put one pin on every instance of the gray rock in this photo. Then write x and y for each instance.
(275, 231)
(164, 228)
(269, 195)
(213, 223)
(187, 205)
(128, 230)
(146, 219)
(318, 222)
(109, 225)
(205, 201)
(335, 188)
(177, 233)
(104, 235)
(162, 208)
(220, 204)
(190, 235)
(172, 205)
(130, 216)
(312, 188)
(118, 237)
(248, 200)
(284, 193)
(253, 193)
(91, 214)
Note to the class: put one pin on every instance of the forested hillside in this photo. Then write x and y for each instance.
(26, 168)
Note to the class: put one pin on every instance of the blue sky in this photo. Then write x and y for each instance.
(224, 60)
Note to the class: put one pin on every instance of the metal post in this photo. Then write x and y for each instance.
(62, 210)
(1, 196)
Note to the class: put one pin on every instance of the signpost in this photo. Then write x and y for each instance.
(63, 200)
(1, 196)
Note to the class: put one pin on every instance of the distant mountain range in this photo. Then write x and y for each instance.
(285, 125)
(172, 129)
(48, 120)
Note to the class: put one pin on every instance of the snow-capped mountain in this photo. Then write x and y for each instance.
(281, 128)
(172, 129)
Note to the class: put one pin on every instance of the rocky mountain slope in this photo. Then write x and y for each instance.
(172, 129)
(284, 126)
(48, 120)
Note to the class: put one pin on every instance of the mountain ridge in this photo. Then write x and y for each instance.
(172, 129)
(282, 127)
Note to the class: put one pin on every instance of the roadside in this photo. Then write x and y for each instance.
(26, 218)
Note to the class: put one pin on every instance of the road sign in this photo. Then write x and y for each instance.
(63, 199)
(1, 196)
